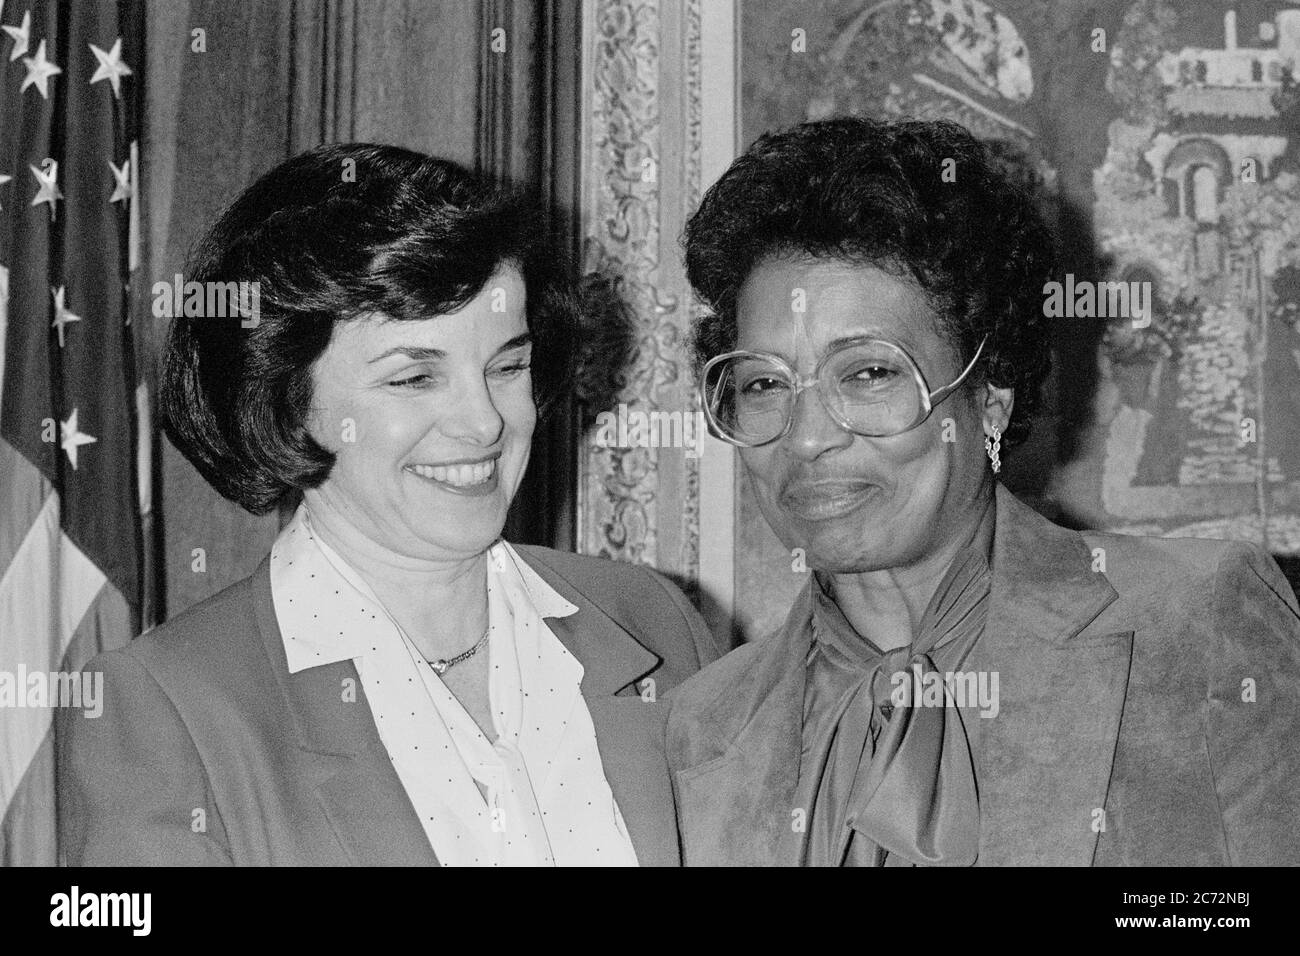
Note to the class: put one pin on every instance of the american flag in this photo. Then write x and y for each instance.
(74, 437)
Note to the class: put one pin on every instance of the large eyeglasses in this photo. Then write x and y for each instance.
(869, 386)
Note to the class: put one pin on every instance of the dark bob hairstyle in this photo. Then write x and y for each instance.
(871, 192)
(333, 234)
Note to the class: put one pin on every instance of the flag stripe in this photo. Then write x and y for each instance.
(23, 492)
(28, 827)
(44, 594)
(4, 319)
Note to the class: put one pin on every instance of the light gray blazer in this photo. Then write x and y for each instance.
(1149, 713)
(208, 750)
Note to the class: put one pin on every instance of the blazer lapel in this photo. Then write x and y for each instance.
(630, 737)
(363, 797)
(629, 729)
(1044, 760)
(738, 807)
(359, 791)
(611, 657)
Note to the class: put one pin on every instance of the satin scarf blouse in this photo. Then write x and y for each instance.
(886, 775)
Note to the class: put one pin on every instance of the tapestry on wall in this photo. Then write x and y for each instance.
(1164, 137)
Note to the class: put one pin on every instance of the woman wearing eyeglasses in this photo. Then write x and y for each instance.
(960, 681)
(395, 684)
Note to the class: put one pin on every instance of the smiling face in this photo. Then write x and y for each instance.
(854, 503)
(431, 423)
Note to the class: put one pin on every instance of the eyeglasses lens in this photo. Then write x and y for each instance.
(871, 386)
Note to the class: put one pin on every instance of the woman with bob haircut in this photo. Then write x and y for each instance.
(394, 684)
(960, 681)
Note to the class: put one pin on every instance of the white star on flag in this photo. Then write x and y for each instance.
(72, 437)
(4, 179)
(111, 67)
(62, 315)
(121, 191)
(49, 191)
(20, 35)
(39, 71)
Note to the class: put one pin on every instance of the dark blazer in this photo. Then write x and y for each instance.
(208, 750)
(1127, 733)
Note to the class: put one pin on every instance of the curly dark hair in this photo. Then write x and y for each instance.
(335, 233)
(873, 192)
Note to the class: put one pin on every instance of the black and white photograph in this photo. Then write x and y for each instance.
(660, 433)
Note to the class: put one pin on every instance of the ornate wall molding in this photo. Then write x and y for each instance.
(641, 156)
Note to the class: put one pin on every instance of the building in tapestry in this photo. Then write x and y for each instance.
(1198, 194)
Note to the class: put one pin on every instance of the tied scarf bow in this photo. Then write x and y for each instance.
(906, 761)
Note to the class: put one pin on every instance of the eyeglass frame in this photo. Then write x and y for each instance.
(928, 404)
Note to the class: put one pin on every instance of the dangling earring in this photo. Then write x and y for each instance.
(993, 446)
